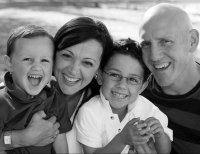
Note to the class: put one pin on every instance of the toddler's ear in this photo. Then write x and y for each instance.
(7, 61)
(98, 77)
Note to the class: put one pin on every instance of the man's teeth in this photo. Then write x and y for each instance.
(119, 95)
(71, 79)
(160, 66)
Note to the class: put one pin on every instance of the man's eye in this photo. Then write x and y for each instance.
(165, 42)
(145, 44)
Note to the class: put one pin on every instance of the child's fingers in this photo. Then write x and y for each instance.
(141, 125)
(156, 129)
(152, 121)
(133, 121)
(144, 130)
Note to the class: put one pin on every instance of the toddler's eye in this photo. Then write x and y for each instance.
(27, 59)
(45, 60)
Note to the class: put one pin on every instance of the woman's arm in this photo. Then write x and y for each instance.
(39, 132)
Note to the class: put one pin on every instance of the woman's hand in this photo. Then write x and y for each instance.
(41, 132)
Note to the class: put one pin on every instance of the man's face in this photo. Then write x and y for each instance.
(166, 51)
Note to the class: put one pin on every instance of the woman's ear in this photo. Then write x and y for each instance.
(98, 76)
(7, 61)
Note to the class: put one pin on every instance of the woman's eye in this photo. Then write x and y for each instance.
(87, 63)
(66, 55)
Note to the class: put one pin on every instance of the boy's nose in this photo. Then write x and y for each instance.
(36, 67)
(122, 83)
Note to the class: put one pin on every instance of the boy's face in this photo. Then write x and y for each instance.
(31, 63)
(121, 93)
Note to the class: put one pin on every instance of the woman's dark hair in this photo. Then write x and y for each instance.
(81, 29)
(127, 47)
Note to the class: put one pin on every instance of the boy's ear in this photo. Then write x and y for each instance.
(144, 85)
(7, 61)
(98, 77)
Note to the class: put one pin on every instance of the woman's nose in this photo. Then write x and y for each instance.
(74, 67)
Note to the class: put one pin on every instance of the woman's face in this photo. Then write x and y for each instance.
(75, 66)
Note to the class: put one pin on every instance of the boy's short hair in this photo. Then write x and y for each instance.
(127, 47)
(26, 31)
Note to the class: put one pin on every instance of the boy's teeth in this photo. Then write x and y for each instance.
(35, 79)
(119, 95)
(35, 76)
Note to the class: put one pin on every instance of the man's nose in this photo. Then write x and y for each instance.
(155, 53)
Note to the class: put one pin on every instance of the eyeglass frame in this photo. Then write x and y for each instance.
(121, 77)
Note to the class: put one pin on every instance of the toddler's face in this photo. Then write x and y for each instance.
(31, 63)
(121, 93)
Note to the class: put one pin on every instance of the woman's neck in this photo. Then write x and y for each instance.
(72, 101)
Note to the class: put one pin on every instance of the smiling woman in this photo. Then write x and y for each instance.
(80, 44)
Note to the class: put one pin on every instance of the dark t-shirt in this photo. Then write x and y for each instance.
(17, 109)
(183, 112)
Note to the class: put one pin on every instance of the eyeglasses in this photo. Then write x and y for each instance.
(133, 80)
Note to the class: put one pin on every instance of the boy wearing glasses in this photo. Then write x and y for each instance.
(119, 120)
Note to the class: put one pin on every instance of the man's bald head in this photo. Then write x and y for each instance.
(168, 14)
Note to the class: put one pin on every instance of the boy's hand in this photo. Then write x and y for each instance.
(154, 126)
(130, 135)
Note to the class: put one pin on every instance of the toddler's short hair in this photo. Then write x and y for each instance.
(26, 31)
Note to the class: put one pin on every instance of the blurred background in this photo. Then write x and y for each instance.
(122, 17)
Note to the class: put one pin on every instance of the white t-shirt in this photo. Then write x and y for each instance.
(97, 125)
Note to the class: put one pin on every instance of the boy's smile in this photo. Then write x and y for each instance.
(121, 93)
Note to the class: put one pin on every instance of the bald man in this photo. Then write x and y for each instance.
(168, 43)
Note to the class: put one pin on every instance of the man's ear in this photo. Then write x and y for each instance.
(194, 39)
(98, 76)
(7, 61)
(144, 85)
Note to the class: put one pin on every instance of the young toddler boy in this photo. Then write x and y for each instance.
(120, 120)
(29, 60)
